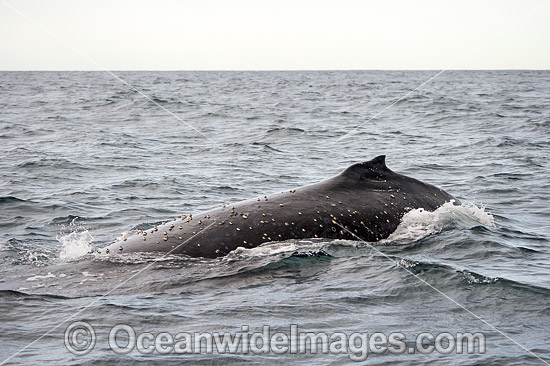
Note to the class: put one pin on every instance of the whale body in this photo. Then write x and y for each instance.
(367, 201)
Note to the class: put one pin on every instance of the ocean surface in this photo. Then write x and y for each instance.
(84, 158)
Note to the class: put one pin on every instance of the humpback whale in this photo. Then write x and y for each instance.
(367, 200)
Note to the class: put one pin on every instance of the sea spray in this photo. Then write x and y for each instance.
(419, 223)
(76, 243)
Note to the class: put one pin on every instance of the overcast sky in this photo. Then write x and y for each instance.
(275, 35)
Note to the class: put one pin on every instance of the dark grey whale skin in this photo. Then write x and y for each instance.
(367, 198)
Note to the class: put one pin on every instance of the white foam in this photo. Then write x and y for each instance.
(478, 279)
(419, 223)
(40, 277)
(75, 244)
(281, 247)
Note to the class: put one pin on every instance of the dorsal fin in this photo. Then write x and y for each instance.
(378, 161)
(373, 169)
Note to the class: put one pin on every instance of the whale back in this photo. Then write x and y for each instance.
(367, 200)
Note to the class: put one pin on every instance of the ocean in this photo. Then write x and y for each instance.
(84, 158)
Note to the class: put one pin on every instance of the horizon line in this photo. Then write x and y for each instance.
(259, 70)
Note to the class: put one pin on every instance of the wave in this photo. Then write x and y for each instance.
(13, 294)
(64, 220)
(279, 129)
(51, 163)
(466, 276)
(12, 200)
(266, 146)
